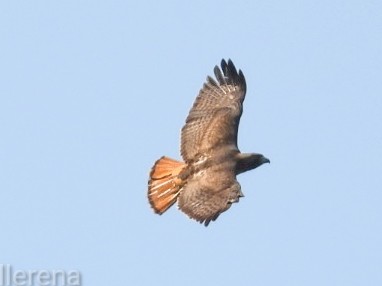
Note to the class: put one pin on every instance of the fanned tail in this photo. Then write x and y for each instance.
(164, 184)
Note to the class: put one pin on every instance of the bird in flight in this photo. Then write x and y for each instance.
(204, 185)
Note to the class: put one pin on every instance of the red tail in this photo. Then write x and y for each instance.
(164, 184)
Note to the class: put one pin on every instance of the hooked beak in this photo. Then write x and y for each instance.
(265, 160)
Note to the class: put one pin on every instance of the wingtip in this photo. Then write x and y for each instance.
(235, 76)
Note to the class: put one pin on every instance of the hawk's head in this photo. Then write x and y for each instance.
(249, 161)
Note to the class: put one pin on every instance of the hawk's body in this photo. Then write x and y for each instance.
(205, 184)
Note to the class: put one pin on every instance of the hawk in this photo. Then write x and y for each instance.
(205, 184)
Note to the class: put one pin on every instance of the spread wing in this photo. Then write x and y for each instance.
(214, 118)
(209, 193)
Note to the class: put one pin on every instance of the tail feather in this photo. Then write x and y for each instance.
(164, 184)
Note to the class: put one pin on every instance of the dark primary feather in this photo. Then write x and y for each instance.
(214, 118)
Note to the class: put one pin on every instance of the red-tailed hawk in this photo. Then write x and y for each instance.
(205, 183)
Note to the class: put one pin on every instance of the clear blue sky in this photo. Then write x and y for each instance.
(93, 92)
